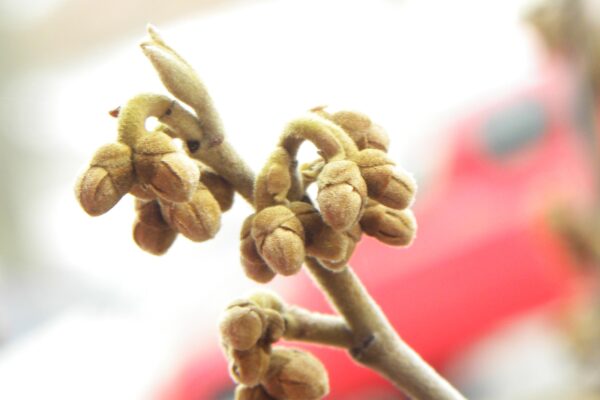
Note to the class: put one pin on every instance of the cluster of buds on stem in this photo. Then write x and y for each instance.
(359, 191)
(174, 193)
(248, 330)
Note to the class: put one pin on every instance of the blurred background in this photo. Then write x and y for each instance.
(492, 105)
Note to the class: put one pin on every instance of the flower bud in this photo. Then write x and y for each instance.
(254, 266)
(251, 393)
(393, 227)
(295, 375)
(387, 185)
(198, 219)
(279, 238)
(267, 299)
(109, 177)
(142, 192)
(352, 237)
(321, 240)
(242, 326)
(249, 366)
(168, 171)
(150, 231)
(221, 189)
(342, 194)
(362, 130)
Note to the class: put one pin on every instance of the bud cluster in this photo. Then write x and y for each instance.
(359, 190)
(174, 193)
(248, 330)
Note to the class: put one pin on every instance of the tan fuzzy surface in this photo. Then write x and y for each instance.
(150, 231)
(109, 177)
(220, 188)
(295, 375)
(279, 238)
(386, 184)
(342, 194)
(249, 366)
(242, 326)
(393, 227)
(251, 393)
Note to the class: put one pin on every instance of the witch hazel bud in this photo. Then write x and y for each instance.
(321, 240)
(352, 237)
(242, 326)
(198, 219)
(150, 231)
(164, 168)
(254, 266)
(109, 177)
(393, 227)
(248, 367)
(220, 188)
(279, 238)
(342, 194)
(386, 184)
(295, 375)
(362, 130)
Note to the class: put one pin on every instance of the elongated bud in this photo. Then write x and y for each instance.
(168, 171)
(362, 130)
(386, 184)
(221, 189)
(295, 375)
(393, 227)
(352, 237)
(249, 366)
(198, 219)
(242, 326)
(342, 194)
(109, 177)
(279, 239)
(150, 231)
(251, 393)
(320, 239)
(254, 266)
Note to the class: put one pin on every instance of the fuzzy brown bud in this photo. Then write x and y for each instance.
(279, 237)
(342, 194)
(242, 326)
(167, 170)
(221, 189)
(321, 240)
(362, 130)
(249, 366)
(251, 393)
(254, 266)
(393, 227)
(198, 219)
(142, 192)
(267, 299)
(386, 184)
(150, 231)
(352, 237)
(295, 375)
(109, 177)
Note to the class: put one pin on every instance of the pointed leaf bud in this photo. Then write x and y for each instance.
(295, 375)
(109, 177)
(198, 219)
(164, 168)
(393, 227)
(279, 239)
(254, 266)
(150, 231)
(389, 186)
(342, 194)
